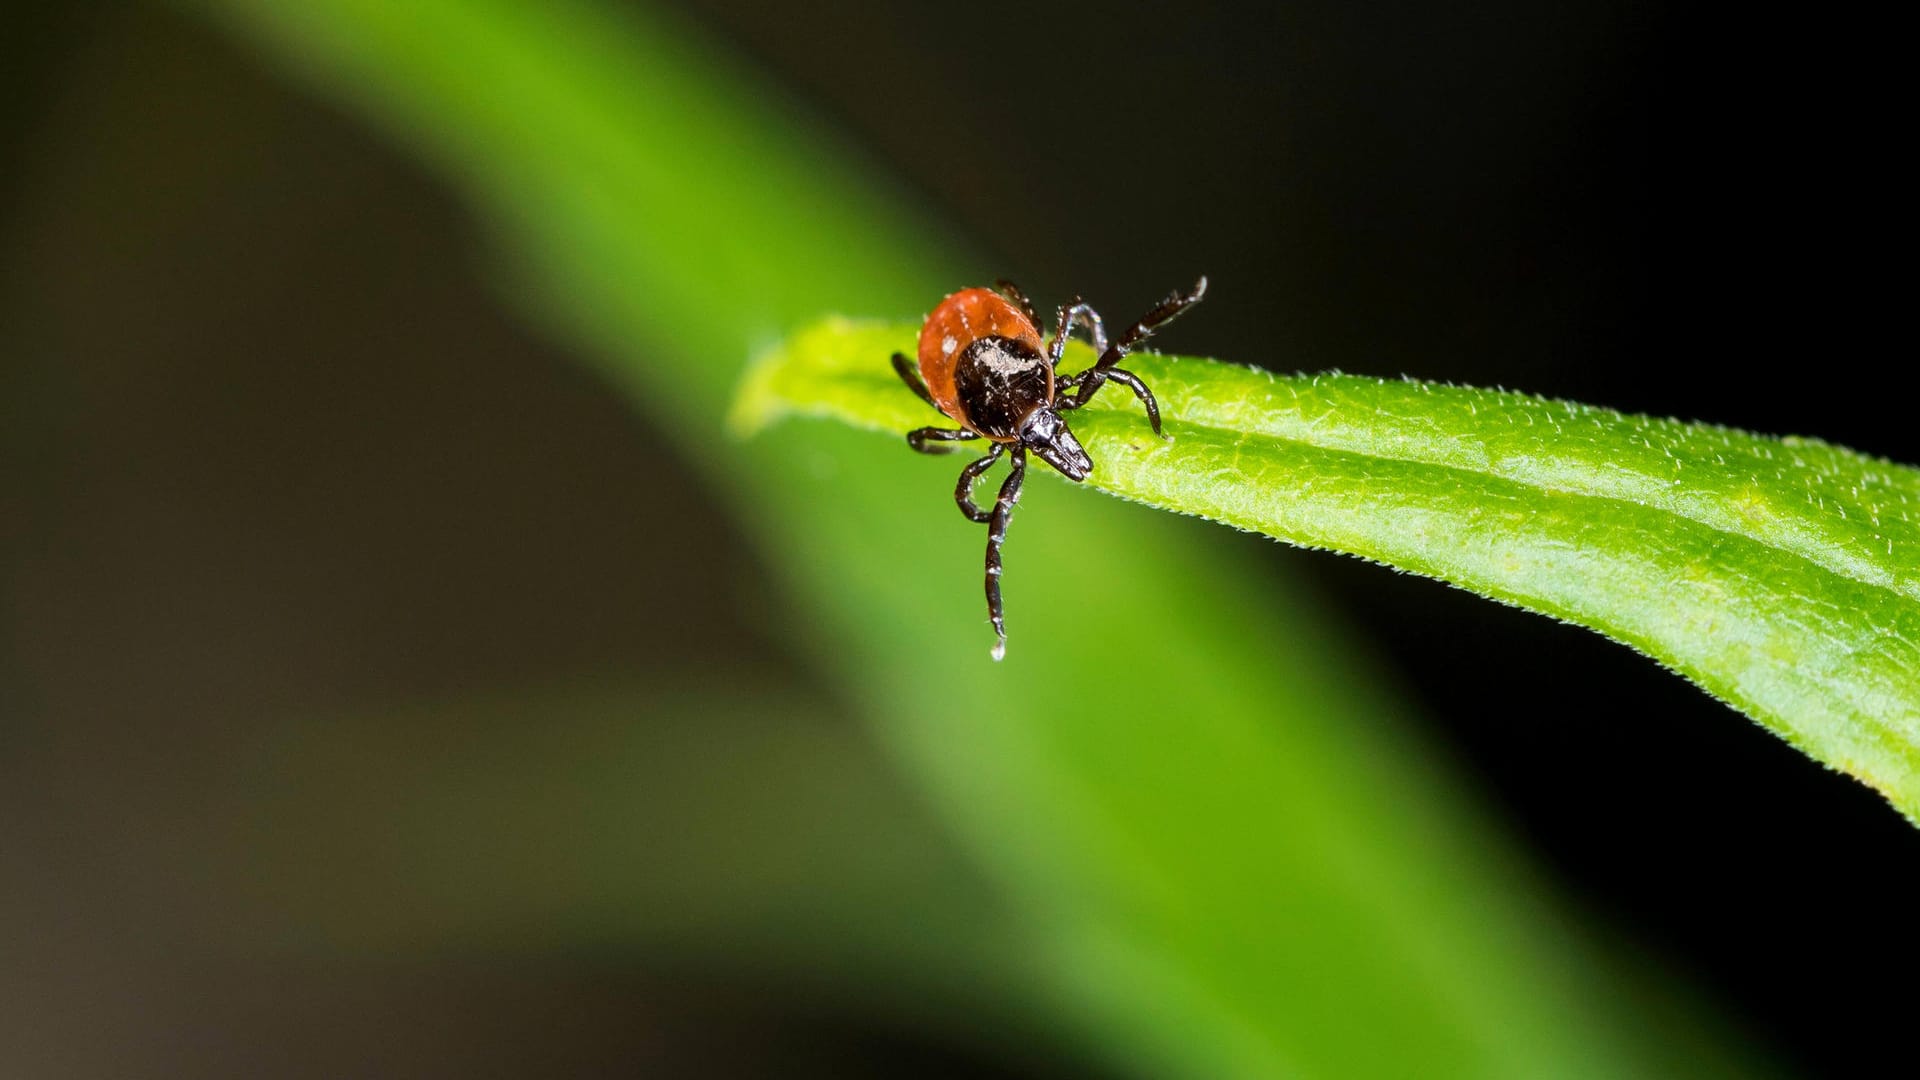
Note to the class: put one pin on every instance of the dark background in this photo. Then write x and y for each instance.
(1661, 208)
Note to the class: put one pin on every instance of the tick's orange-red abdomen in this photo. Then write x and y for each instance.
(959, 321)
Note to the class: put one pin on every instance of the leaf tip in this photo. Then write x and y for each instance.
(758, 403)
(755, 404)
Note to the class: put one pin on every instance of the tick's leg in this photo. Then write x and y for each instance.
(1089, 320)
(910, 374)
(1062, 325)
(1163, 313)
(1079, 311)
(1125, 378)
(963, 491)
(1012, 292)
(918, 438)
(997, 535)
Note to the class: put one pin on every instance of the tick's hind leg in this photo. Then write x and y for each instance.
(997, 535)
(910, 374)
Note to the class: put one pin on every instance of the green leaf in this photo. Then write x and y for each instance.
(1777, 574)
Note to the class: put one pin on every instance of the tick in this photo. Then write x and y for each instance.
(983, 365)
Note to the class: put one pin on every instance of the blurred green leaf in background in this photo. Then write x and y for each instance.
(1222, 851)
